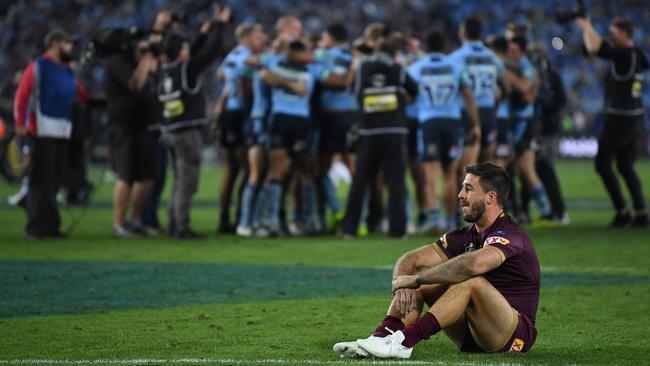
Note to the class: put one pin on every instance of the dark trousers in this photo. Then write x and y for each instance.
(544, 160)
(386, 152)
(48, 162)
(150, 210)
(621, 140)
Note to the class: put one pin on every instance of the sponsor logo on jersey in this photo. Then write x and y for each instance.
(443, 240)
(496, 240)
(517, 345)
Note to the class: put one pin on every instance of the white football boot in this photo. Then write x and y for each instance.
(389, 346)
(349, 349)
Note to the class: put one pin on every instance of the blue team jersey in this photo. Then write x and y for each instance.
(503, 112)
(440, 80)
(284, 101)
(525, 110)
(234, 69)
(483, 68)
(336, 61)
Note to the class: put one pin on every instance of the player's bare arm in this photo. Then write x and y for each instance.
(278, 81)
(472, 111)
(411, 263)
(591, 39)
(454, 271)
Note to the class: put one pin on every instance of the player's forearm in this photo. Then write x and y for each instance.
(590, 37)
(470, 105)
(456, 270)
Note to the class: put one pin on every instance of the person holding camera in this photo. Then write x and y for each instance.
(181, 94)
(130, 109)
(623, 133)
(43, 112)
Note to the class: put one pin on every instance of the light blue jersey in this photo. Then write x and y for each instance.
(483, 68)
(284, 101)
(336, 61)
(522, 109)
(234, 69)
(440, 80)
(261, 97)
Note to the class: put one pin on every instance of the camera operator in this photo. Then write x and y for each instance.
(181, 94)
(43, 112)
(623, 132)
(131, 107)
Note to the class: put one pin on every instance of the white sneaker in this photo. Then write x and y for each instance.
(349, 349)
(246, 232)
(386, 347)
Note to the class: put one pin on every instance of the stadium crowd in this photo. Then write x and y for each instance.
(292, 98)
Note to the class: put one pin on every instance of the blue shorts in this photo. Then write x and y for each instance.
(487, 117)
(441, 139)
(334, 127)
(504, 148)
(524, 131)
(231, 124)
(292, 133)
(256, 132)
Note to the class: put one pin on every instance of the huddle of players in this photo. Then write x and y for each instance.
(286, 112)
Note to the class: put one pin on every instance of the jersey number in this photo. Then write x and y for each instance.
(483, 80)
(439, 94)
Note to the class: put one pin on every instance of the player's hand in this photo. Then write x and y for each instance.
(582, 23)
(21, 131)
(409, 281)
(406, 301)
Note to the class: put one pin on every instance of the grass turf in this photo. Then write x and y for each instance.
(161, 301)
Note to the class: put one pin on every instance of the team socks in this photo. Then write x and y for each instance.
(451, 221)
(246, 204)
(539, 195)
(391, 323)
(274, 196)
(423, 328)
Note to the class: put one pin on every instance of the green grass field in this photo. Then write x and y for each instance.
(92, 300)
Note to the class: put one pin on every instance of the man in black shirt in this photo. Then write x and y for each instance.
(130, 108)
(380, 85)
(184, 114)
(623, 133)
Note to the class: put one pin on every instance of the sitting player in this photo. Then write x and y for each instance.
(481, 282)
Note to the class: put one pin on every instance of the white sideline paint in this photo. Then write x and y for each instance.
(202, 361)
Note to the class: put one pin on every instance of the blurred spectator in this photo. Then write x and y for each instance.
(43, 111)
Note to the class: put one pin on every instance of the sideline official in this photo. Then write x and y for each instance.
(380, 85)
(623, 135)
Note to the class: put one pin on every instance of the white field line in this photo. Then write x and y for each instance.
(207, 361)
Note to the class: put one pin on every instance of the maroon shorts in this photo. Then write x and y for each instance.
(522, 338)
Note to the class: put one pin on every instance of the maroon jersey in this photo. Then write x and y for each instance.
(518, 277)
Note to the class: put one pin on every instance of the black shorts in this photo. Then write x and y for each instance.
(231, 125)
(521, 340)
(441, 139)
(133, 152)
(256, 131)
(487, 117)
(524, 131)
(334, 127)
(293, 133)
(412, 139)
(504, 139)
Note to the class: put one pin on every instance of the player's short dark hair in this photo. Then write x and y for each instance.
(499, 44)
(625, 25)
(297, 45)
(338, 32)
(492, 178)
(435, 42)
(473, 28)
(172, 45)
(520, 41)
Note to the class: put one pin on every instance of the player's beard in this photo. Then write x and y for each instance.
(66, 56)
(476, 212)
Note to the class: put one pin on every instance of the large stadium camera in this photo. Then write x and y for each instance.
(107, 42)
(567, 16)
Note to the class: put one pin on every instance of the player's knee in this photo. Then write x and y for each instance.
(625, 167)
